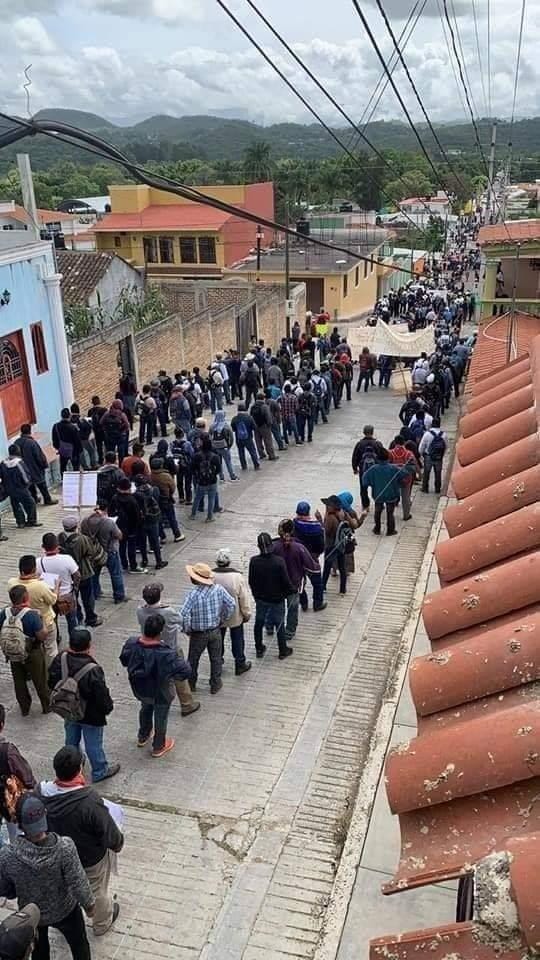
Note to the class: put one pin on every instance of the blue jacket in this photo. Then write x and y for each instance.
(311, 534)
(385, 481)
(151, 666)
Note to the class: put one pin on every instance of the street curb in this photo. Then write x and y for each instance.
(338, 903)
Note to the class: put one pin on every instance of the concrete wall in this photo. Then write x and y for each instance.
(118, 277)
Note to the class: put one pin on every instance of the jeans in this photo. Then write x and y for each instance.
(183, 483)
(154, 714)
(293, 606)
(74, 460)
(150, 533)
(128, 550)
(303, 421)
(273, 614)
(316, 583)
(89, 454)
(146, 428)
(348, 385)
(335, 556)
(277, 435)
(248, 445)
(290, 428)
(24, 508)
(390, 521)
(200, 493)
(436, 466)
(199, 642)
(363, 377)
(321, 409)
(226, 458)
(385, 377)
(237, 643)
(169, 514)
(114, 567)
(93, 745)
(73, 929)
(86, 593)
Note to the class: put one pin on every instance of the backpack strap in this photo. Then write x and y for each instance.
(18, 616)
(83, 671)
(64, 666)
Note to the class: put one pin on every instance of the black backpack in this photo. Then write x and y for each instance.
(257, 414)
(107, 484)
(207, 472)
(181, 455)
(437, 446)
(112, 426)
(148, 503)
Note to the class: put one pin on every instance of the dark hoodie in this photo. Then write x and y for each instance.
(115, 423)
(80, 813)
(48, 874)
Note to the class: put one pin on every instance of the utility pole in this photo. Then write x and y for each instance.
(491, 168)
(259, 237)
(512, 320)
(287, 273)
(27, 188)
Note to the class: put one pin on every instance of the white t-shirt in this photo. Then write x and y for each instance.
(60, 565)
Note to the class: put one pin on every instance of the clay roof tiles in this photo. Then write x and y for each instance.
(469, 783)
(174, 216)
(81, 272)
(510, 232)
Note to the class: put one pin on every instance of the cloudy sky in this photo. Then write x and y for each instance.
(129, 59)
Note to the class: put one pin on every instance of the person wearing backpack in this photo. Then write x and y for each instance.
(125, 508)
(365, 456)
(182, 453)
(243, 426)
(15, 483)
(147, 497)
(66, 440)
(22, 639)
(385, 480)
(76, 810)
(307, 408)
(84, 553)
(105, 533)
(79, 694)
(206, 470)
(15, 777)
(418, 425)
(222, 439)
(251, 380)
(320, 390)
(260, 414)
(115, 426)
(108, 477)
(432, 449)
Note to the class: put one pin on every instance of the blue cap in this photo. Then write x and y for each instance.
(303, 508)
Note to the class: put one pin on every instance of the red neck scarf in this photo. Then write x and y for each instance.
(77, 781)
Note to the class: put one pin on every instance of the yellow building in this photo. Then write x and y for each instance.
(512, 266)
(344, 285)
(173, 237)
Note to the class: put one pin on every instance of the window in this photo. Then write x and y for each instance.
(118, 241)
(365, 268)
(207, 250)
(188, 250)
(356, 276)
(166, 250)
(11, 367)
(150, 248)
(38, 345)
(345, 285)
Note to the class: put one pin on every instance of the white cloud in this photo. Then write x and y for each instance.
(169, 11)
(31, 37)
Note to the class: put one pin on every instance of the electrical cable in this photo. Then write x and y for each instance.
(463, 58)
(451, 61)
(508, 163)
(95, 145)
(308, 106)
(417, 95)
(479, 56)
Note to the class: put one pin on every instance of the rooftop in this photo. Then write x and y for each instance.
(491, 347)
(511, 231)
(174, 216)
(81, 272)
(308, 259)
(16, 212)
(427, 200)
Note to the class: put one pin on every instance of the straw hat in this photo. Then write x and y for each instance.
(200, 573)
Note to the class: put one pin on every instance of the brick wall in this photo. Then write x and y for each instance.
(94, 370)
(159, 347)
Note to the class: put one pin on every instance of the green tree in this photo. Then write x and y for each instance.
(258, 165)
(434, 234)
(413, 183)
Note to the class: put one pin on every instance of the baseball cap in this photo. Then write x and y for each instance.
(32, 816)
(18, 931)
(70, 523)
(332, 501)
(303, 508)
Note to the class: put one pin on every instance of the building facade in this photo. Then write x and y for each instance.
(512, 266)
(35, 377)
(171, 237)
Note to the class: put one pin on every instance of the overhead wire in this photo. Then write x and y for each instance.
(463, 58)
(308, 106)
(93, 144)
(514, 97)
(451, 60)
(475, 18)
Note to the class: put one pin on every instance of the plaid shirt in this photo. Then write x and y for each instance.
(289, 406)
(206, 608)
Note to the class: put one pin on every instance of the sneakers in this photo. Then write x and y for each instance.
(162, 565)
(168, 745)
(139, 570)
(50, 503)
(193, 707)
(287, 652)
(235, 479)
(241, 668)
(179, 538)
(376, 531)
(210, 520)
(122, 599)
(261, 651)
(216, 687)
(141, 742)
(95, 623)
(111, 771)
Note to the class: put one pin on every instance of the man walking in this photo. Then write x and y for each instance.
(43, 868)
(204, 611)
(86, 714)
(22, 639)
(76, 810)
(125, 508)
(15, 483)
(206, 470)
(244, 427)
(400, 456)
(147, 497)
(432, 449)
(235, 584)
(36, 464)
(66, 440)
(60, 570)
(81, 549)
(365, 456)
(103, 530)
(260, 414)
(170, 636)
(385, 481)
(270, 585)
(42, 599)
(310, 532)
(152, 669)
(300, 564)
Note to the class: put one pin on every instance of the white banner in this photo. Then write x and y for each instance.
(393, 340)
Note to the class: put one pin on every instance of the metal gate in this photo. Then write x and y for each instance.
(246, 328)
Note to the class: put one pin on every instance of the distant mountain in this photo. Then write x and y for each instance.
(211, 138)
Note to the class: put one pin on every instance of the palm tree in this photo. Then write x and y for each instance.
(258, 164)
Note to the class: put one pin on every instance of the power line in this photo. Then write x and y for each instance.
(417, 95)
(95, 145)
(489, 56)
(479, 56)
(308, 106)
(463, 58)
(451, 61)
(518, 59)
(410, 121)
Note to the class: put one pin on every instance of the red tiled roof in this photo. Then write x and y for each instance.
(44, 216)
(470, 779)
(509, 232)
(174, 216)
(424, 200)
(491, 346)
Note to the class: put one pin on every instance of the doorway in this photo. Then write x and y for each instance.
(126, 357)
(15, 389)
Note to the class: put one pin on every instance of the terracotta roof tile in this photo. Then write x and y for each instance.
(44, 216)
(509, 232)
(490, 350)
(81, 272)
(470, 779)
(174, 216)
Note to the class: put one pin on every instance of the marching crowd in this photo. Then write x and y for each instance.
(65, 837)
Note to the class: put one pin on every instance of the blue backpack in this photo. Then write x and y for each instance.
(242, 432)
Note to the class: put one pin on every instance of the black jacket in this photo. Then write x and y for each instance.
(92, 687)
(66, 431)
(33, 458)
(368, 445)
(125, 507)
(268, 578)
(82, 815)
(14, 477)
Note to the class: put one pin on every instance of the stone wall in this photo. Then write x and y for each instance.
(94, 369)
(159, 347)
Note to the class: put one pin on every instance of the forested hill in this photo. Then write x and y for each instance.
(213, 138)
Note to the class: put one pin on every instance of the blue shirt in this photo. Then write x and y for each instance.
(206, 608)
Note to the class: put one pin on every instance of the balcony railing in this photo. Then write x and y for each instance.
(502, 305)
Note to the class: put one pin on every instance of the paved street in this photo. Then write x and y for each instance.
(233, 839)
